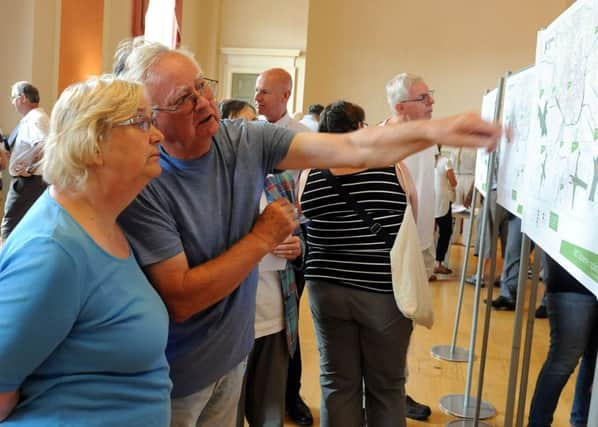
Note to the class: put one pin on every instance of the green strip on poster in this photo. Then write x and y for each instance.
(584, 259)
(553, 221)
(513, 194)
(596, 134)
(485, 187)
(520, 209)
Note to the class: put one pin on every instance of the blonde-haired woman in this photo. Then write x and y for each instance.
(82, 332)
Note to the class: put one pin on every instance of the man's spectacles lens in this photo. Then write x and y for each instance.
(423, 98)
(205, 87)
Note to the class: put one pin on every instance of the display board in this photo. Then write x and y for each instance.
(489, 106)
(561, 172)
(518, 113)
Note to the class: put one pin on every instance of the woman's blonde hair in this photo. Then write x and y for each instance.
(80, 119)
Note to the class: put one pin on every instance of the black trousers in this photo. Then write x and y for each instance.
(21, 195)
(295, 368)
(445, 229)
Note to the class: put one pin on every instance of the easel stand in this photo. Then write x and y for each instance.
(451, 352)
(465, 405)
(517, 328)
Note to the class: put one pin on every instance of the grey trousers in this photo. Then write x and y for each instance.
(214, 405)
(263, 395)
(361, 336)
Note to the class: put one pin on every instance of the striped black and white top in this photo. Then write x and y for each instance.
(342, 249)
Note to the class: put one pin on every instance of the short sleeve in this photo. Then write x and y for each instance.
(39, 304)
(35, 129)
(274, 140)
(448, 164)
(150, 228)
(40, 129)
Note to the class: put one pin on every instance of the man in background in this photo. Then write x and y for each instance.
(26, 184)
(312, 118)
(272, 92)
(409, 99)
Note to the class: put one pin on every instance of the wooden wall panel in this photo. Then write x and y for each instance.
(81, 24)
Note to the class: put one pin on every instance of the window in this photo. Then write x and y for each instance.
(161, 22)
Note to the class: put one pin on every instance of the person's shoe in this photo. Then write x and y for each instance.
(503, 303)
(541, 312)
(299, 412)
(472, 279)
(417, 411)
(432, 278)
(441, 269)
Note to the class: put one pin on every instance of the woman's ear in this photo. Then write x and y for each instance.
(98, 158)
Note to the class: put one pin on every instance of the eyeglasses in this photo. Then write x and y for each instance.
(140, 121)
(13, 98)
(205, 87)
(423, 98)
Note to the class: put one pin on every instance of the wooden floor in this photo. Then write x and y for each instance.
(431, 379)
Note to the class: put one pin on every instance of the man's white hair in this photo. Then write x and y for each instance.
(134, 58)
(397, 88)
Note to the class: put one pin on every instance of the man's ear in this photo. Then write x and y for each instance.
(287, 95)
(399, 108)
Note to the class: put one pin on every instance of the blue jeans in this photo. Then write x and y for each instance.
(573, 334)
(509, 279)
(362, 340)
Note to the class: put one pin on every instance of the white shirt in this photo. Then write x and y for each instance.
(442, 186)
(269, 310)
(26, 152)
(421, 165)
(287, 122)
(464, 161)
(310, 122)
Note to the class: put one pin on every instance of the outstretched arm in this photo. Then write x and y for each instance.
(381, 146)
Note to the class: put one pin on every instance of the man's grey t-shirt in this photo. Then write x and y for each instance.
(202, 207)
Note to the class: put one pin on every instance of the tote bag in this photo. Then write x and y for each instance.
(409, 277)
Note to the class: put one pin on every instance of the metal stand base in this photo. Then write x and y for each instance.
(467, 423)
(443, 352)
(454, 404)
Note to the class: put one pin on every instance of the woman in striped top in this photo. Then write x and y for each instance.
(362, 336)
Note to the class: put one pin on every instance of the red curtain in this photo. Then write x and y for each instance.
(139, 9)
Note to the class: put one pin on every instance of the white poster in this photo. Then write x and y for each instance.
(518, 112)
(481, 164)
(561, 213)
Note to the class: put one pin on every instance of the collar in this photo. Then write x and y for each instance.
(284, 120)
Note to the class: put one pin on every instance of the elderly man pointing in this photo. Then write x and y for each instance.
(196, 230)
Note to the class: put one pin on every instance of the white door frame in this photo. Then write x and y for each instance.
(244, 60)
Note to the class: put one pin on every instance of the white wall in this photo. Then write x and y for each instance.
(460, 47)
(117, 26)
(29, 48)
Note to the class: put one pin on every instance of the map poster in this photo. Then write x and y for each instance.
(489, 106)
(517, 112)
(561, 211)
